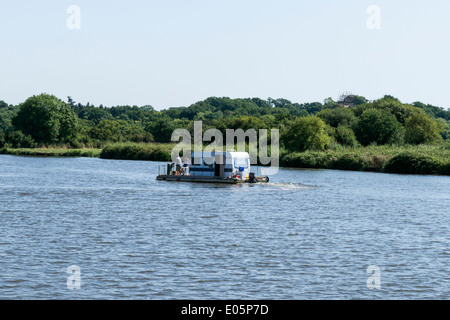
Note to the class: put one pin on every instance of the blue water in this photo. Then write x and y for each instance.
(308, 234)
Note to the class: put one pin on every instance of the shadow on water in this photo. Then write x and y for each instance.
(289, 186)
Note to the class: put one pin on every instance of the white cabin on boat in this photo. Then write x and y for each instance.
(220, 164)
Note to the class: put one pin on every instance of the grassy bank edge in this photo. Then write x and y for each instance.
(49, 152)
(400, 162)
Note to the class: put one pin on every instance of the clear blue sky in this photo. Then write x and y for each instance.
(174, 53)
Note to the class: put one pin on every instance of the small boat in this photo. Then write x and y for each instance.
(213, 167)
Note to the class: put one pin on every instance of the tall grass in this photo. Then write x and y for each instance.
(51, 152)
(137, 151)
(390, 159)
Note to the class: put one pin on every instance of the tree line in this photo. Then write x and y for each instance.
(45, 120)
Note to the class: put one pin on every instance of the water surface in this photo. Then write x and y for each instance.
(308, 234)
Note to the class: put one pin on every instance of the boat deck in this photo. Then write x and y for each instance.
(207, 179)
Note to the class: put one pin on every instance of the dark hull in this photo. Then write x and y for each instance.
(209, 179)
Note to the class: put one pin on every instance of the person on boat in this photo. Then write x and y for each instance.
(178, 163)
(186, 165)
(174, 168)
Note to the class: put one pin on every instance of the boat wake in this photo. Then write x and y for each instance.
(289, 186)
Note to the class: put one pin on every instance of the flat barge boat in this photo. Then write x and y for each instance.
(212, 167)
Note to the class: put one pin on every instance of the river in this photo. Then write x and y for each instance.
(308, 234)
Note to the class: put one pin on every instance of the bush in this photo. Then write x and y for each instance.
(445, 169)
(307, 133)
(134, 151)
(419, 160)
(377, 126)
(345, 136)
(413, 164)
(338, 117)
(421, 129)
(374, 162)
(313, 160)
(446, 145)
(2, 139)
(349, 161)
(119, 131)
(17, 139)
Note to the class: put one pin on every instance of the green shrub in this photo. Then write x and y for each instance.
(445, 169)
(446, 145)
(345, 136)
(349, 161)
(338, 117)
(413, 164)
(374, 162)
(2, 139)
(418, 160)
(306, 160)
(421, 129)
(137, 151)
(377, 126)
(307, 133)
(17, 139)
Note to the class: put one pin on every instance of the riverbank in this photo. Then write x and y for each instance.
(423, 159)
(138, 151)
(50, 152)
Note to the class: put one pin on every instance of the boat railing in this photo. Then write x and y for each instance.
(162, 170)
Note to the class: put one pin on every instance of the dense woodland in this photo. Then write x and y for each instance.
(45, 120)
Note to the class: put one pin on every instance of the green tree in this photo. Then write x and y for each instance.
(248, 122)
(337, 117)
(445, 128)
(119, 131)
(16, 139)
(313, 107)
(95, 114)
(329, 103)
(7, 112)
(307, 133)
(433, 111)
(392, 105)
(161, 129)
(352, 100)
(421, 129)
(377, 126)
(46, 119)
(2, 139)
(345, 136)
